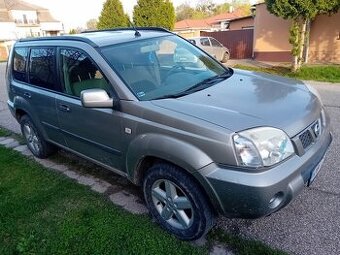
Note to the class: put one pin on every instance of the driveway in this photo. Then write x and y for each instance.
(310, 224)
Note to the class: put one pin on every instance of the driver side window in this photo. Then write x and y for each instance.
(80, 73)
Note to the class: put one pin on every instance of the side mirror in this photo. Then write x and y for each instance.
(96, 98)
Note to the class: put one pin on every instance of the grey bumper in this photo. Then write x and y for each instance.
(247, 194)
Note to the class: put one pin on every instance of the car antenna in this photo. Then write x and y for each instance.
(137, 34)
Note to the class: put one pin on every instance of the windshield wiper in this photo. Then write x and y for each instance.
(199, 86)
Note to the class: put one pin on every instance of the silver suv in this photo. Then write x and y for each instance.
(199, 138)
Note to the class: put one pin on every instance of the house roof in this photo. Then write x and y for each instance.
(44, 14)
(192, 23)
(208, 22)
(19, 5)
(225, 16)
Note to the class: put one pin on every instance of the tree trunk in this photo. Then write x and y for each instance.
(295, 64)
(307, 40)
(302, 42)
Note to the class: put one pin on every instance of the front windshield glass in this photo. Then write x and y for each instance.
(163, 67)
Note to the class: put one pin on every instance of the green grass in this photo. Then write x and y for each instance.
(329, 73)
(43, 212)
(4, 132)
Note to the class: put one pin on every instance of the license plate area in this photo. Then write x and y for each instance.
(315, 172)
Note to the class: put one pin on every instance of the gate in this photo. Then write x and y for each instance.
(239, 42)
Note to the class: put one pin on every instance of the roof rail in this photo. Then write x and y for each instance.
(64, 37)
(127, 28)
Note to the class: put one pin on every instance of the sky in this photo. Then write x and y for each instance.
(75, 13)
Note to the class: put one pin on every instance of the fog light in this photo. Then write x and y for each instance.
(276, 200)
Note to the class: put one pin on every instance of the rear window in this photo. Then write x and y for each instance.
(42, 68)
(19, 64)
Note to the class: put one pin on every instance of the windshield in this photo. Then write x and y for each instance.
(164, 67)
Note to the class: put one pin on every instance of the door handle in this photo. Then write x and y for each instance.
(28, 95)
(64, 108)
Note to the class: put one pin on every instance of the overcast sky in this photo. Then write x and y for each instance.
(75, 13)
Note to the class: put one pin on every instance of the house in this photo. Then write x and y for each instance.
(19, 19)
(271, 36)
(233, 20)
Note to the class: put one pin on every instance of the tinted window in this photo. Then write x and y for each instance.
(215, 43)
(42, 68)
(192, 41)
(205, 41)
(80, 73)
(19, 64)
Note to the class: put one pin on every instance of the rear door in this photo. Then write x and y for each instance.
(217, 48)
(92, 132)
(35, 80)
(206, 46)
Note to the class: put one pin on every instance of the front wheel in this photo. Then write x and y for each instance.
(34, 139)
(177, 202)
(226, 57)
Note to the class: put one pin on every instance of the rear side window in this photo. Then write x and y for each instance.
(19, 64)
(42, 68)
(205, 41)
(215, 43)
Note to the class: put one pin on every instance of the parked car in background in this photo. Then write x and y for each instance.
(200, 138)
(212, 46)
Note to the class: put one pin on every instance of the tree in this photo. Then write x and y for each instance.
(72, 31)
(112, 15)
(91, 24)
(184, 11)
(301, 13)
(159, 13)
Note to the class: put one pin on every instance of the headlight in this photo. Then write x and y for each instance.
(264, 146)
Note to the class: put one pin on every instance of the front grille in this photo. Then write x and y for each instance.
(306, 139)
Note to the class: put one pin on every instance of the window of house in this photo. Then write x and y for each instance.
(42, 68)
(19, 64)
(205, 41)
(80, 73)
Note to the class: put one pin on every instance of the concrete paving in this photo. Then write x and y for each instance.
(309, 225)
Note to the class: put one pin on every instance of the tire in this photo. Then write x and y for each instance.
(168, 188)
(226, 57)
(34, 139)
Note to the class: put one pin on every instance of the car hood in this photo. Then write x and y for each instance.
(250, 99)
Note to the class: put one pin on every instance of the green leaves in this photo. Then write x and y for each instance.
(159, 13)
(112, 15)
(306, 9)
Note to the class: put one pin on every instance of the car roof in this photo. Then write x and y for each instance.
(102, 38)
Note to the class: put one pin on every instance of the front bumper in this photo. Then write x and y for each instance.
(246, 194)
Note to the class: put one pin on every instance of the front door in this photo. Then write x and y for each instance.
(94, 133)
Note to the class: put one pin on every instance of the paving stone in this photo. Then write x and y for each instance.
(100, 186)
(27, 152)
(128, 202)
(220, 250)
(86, 180)
(45, 162)
(7, 141)
(21, 148)
(60, 168)
(72, 174)
(12, 145)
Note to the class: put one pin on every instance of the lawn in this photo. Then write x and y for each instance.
(43, 212)
(330, 73)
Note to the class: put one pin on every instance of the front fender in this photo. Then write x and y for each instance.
(176, 151)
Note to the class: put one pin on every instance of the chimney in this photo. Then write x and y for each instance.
(231, 9)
